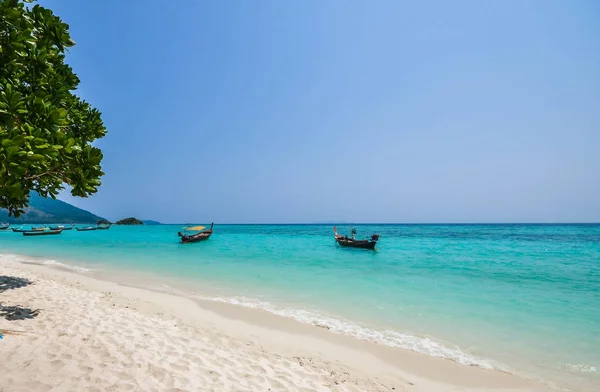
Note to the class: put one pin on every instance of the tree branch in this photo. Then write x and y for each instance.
(36, 176)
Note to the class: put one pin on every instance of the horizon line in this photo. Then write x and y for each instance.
(393, 223)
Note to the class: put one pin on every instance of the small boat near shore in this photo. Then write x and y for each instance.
(201, 236)
(103, 227)
(61, 227)
(89, 228)
(33, 229)
(351, 242)
(4, 226)
(41, 232)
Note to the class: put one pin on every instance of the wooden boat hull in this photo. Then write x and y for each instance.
(354, 243)
(202, 236)
(186, 239)
(60, 228)
(38, 232)
(86, 228)
(362, 244)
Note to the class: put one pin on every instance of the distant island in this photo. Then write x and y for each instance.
(129, 221)
(43, 210)
(151, 222)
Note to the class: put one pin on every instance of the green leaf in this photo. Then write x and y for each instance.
(12, 150)
(17, 140)
(39, 110)
(36, 157)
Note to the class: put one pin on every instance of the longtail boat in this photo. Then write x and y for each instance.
(201, 236)
(351, 242)
(89, 228)
(31, 230)
(4, 226)
(61, 227)
(103, 227)
(41, 232)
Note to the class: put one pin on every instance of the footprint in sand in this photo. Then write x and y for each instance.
(57, 364)
(179, 367)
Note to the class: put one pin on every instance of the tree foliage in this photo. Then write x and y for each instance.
(45, 129)
(129, 221)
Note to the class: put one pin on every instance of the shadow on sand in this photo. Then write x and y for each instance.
(15, 312)
(12, 282)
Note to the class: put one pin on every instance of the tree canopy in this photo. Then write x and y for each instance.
(129, 221)
(45, 129)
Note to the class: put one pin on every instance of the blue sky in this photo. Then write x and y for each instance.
(312, 111)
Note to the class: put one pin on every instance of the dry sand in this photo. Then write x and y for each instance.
(93, 335)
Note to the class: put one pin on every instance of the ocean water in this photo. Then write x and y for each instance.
(521, 298)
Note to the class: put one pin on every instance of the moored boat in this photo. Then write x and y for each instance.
(41, 232)
(32, 229)
(61, 227)
(89, 228)
(201, 236)
(351, 242)
(4, 226)
(103, 227)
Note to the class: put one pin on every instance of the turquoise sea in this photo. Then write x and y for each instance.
(522, 298)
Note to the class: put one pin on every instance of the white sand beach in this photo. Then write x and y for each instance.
(93, 335)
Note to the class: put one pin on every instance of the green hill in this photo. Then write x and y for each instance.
(129, 221)
(42, 210)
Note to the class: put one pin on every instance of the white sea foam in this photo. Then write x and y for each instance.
(582, 367)
(168, 289)
(424, 345)
(46, 262)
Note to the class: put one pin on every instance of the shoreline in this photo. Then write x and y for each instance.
(208, 294)
(362, 365)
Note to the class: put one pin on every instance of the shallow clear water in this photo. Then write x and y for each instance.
(524, 298)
